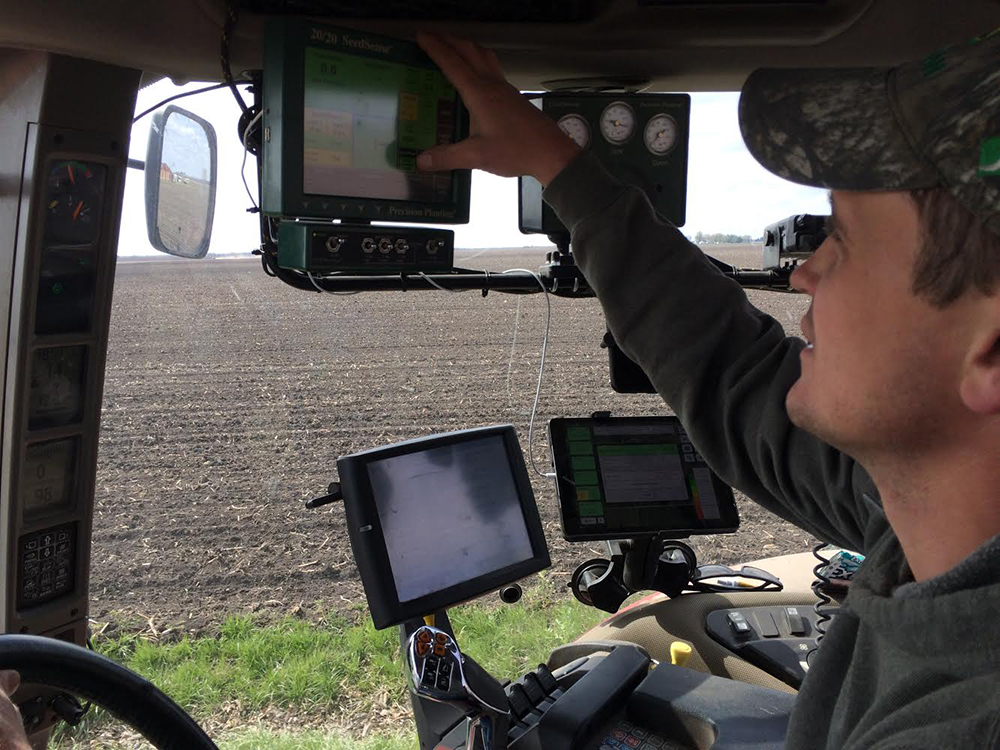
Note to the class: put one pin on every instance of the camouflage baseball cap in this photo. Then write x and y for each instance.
(934, 122)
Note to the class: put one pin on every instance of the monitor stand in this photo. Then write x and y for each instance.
(649, 563)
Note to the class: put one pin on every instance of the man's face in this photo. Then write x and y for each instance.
(882, 372)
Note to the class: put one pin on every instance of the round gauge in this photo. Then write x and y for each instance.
(76, 191)
(617, 122)
(576, 128)
(661, 134)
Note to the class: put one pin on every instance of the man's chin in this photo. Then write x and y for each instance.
(797, 405)
(806, 416)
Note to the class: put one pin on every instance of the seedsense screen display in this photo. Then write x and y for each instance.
(366, 120)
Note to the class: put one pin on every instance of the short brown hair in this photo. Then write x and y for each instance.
(958, 252)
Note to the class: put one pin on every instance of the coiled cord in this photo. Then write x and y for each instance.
(824, 600)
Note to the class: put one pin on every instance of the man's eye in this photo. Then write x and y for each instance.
(830, 227)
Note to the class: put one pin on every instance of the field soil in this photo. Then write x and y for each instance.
(229, 397)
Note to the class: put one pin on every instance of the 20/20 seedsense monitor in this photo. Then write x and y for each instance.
(345, 115)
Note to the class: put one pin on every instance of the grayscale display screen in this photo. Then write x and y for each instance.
(449, 515)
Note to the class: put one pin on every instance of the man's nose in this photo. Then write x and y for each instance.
(806, 275)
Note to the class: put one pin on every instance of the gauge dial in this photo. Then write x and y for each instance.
(617, 122)
(660, 136)
(576, 128)
(76, 192)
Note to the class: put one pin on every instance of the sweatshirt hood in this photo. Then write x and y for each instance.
(957, 611)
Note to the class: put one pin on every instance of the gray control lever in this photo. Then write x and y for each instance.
(436, 670)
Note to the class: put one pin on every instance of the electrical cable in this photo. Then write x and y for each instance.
(246, 150)
(181, 96)
(541, 368)
(541, 364)
(232, 14)
(510, 361)
(820, 580)
(326, 291)
(434, 284)
(263, 263)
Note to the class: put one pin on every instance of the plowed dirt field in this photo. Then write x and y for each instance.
(229, 396)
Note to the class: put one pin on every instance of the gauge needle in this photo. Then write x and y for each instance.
(76, 211)
(69, 168)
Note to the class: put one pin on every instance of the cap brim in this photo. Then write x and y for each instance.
(832, 128)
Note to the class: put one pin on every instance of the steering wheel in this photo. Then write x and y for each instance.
(132, 699)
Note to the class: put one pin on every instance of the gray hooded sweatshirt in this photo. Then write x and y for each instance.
(906, 664)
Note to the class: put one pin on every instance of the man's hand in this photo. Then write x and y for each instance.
(12, 736)
(508, 136)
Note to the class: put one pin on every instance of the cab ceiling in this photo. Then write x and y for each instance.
(690, 46)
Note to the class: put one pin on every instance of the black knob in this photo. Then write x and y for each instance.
(510, 594)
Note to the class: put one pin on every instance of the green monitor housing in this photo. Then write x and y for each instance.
(345, 115)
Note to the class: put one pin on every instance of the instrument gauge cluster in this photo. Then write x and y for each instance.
(618, 123)
(640, 138)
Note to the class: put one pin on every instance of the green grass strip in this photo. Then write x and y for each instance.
(257, 739)
(314, 668)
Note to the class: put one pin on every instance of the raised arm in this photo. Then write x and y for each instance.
(720, 363)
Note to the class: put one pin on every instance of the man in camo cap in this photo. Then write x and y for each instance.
(882, 433)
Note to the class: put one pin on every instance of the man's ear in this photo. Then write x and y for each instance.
(980, 386)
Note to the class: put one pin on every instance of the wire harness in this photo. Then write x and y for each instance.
(824, 601)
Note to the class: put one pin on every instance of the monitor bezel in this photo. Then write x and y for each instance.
(576, 532)
(282, 190)
(368, 541)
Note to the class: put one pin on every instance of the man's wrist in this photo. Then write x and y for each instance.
(558, 159)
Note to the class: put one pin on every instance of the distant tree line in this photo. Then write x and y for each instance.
(721, 239)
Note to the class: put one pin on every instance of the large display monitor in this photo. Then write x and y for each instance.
(625, 477)
(440, 520)
(345, 115)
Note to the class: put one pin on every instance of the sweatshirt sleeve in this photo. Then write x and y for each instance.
(722, 365)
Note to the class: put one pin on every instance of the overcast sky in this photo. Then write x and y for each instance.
(727, 190)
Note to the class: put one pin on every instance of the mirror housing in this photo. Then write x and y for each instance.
(181, 175)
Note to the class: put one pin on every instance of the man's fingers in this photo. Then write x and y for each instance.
(493, 62)
(476, 56)
(465, 154)
(9, 681)
(452, 64)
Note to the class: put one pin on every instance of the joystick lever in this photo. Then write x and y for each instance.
(438, 671)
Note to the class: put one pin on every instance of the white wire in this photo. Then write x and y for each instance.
(434, 284)
(326, 291)
(246, 150)
(541, 368)
(510, 360)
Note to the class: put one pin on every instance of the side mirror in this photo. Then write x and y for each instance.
(181, 176)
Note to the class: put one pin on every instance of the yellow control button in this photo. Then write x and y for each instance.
(680, 652)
